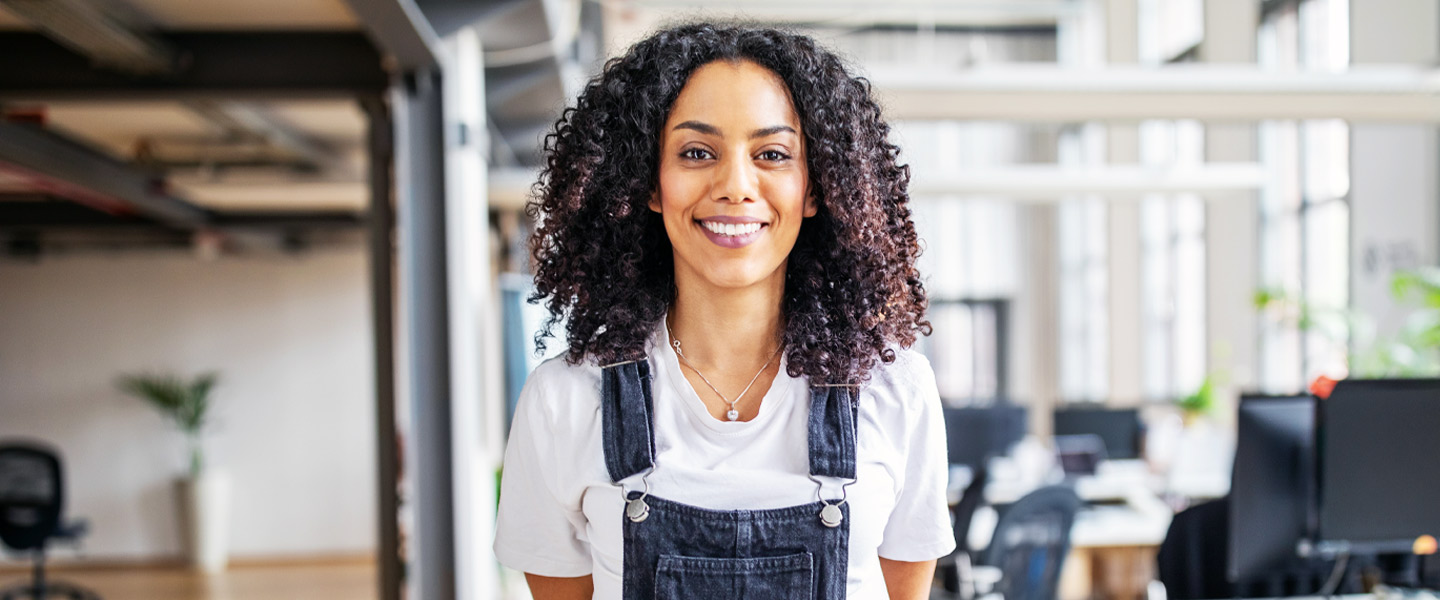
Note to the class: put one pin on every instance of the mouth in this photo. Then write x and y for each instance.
(730, 232)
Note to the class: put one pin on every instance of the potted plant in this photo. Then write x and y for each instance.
(1195, 406)
(1413, 351)
(203, 493)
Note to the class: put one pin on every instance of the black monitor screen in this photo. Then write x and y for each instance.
(976, 434)
(1119, 428)
(1271, 485)
(1379, 479)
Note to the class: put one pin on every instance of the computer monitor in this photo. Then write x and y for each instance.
(1271, 486)
(1379, 484)
(976, 434)
(1119, 428)
(1079, 455)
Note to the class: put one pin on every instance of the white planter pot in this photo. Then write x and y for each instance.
(205, 518)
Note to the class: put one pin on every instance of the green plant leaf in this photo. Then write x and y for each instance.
(183, 402)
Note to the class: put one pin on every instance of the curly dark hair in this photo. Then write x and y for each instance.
(605, 263)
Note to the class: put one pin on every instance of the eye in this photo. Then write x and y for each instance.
(695, 154)
(773, 156)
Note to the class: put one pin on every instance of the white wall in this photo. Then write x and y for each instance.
(293, 419)
(1394, 221)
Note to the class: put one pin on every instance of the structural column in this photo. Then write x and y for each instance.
(381, 233)
(420, 179)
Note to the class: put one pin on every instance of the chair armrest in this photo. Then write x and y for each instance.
(72, 531)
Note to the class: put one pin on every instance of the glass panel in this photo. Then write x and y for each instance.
(1326, 147)
(986, 326)
(953, 350)
(1189, 314)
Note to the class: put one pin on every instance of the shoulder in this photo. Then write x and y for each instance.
(909, 378)
(904, 389)
(557, 387)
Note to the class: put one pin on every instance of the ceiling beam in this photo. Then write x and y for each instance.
(246, 121)
(400, 28)
(217, 65)
(63, 168)
(28, 212)
(1116, 182)
(24, 213)
(1204, 92)
(983, 13)
(94, 30)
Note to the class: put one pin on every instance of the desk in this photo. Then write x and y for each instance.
(1112, 551)
(1112, 548)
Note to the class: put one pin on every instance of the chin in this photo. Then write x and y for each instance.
(735, 278)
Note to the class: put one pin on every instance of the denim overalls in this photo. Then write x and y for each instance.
(677, 551)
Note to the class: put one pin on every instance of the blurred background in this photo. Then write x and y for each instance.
(262, 266)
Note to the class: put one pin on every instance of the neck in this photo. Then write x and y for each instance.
(729, 328)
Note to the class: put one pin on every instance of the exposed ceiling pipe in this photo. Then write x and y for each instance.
(253, 123)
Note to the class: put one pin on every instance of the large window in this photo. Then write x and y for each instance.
(1084, 300)
(1082, 235)
(972, 250)
(1172, 263)
(1304, 213)
(968, 352)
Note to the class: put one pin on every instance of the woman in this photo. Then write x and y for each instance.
(724, 230)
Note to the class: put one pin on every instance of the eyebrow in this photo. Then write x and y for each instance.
(709, 129)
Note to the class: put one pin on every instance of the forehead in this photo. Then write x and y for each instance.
(741, 94)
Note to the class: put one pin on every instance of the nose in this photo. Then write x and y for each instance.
(736, 180)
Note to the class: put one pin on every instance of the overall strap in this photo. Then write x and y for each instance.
(833, 413)
(626, 408)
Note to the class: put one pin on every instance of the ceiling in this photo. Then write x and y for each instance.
(244, 156)
(228, 15)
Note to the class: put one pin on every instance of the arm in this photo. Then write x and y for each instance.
(907, 580)
(561, 588)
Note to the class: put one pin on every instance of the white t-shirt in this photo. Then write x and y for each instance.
(560, 515)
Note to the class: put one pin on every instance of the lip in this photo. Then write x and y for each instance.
(732, 241)
(731, 220)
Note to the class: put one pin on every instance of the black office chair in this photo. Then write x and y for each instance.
(1193, 559)
(32, 494)
(955, 576)
(1031, 542)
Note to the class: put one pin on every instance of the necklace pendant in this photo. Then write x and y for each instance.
(733, 415)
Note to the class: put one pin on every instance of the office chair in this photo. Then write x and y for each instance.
(32, 493)
(1031, 542)
(1193, 560)
(956, 576)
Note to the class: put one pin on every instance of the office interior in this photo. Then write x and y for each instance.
(1157, 234)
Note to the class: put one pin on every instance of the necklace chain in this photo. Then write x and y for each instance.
(731, 414)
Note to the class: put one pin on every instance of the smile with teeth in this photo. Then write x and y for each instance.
(731, 229)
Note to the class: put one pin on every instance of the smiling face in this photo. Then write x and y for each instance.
(734, 186)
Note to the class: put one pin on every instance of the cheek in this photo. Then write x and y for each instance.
(788, 193)
(677, 190)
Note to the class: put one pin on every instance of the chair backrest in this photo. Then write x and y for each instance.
(963, 513)
(1031, 542)
(1193, 559)
(31, 494)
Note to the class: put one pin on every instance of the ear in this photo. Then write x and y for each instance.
(812, 205)
(655, 201)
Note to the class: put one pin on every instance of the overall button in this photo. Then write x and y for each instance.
(637, 510)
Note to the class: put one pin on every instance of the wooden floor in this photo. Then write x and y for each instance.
(306, 582)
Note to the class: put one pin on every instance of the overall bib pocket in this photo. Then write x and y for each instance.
(768, 578)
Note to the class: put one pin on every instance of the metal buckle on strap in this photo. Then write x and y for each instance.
(637, 510)
(830, 515)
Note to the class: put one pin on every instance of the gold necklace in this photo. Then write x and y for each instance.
(732, 414)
